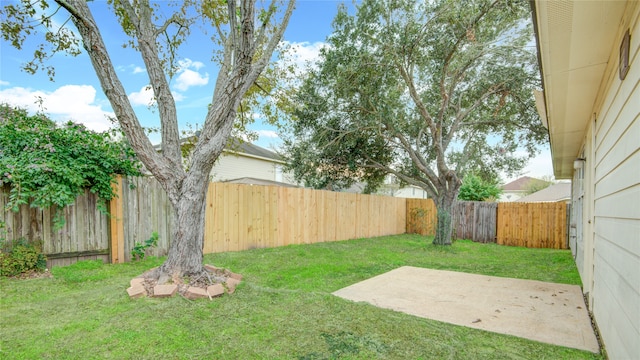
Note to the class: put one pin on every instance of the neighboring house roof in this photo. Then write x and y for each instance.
(244, 147)
(254, 181)
(554, 193)
(238, 146)
(356, 188)
(520, 184)
(575, 41)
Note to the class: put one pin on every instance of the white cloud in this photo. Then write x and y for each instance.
(4, 83)
(188, 63)
(143, 97)
(538, 167)
(268, 134)
(177, 96)
(134, 69)
(301, 54)
(69, 102)
(189, 78)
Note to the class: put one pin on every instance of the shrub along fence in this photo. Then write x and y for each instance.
(240, 217)
(537, 225)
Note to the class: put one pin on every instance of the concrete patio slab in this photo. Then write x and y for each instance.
(536, 310)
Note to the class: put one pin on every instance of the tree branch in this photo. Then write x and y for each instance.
(239, 72)
(265, 57)
(146, 33)
(417, 158)
(174, 19)
(479, 101)
(413, 180)
(115, 92)
(260, 37)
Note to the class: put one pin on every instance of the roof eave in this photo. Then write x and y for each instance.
(575, 40)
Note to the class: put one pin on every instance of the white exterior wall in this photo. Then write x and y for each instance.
(231, 166)
(412, 192)
(611, 210)
(511, 195)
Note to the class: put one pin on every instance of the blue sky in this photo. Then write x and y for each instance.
(76, 94)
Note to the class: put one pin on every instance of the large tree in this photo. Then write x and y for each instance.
(423, 90)
(245, 36)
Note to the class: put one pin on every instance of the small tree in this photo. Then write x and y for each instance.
(474, 188)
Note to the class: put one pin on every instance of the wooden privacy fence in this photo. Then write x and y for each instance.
(240, 217)
(421, 216)
(538, 225)
(141, 208)
(474, 220)
(83, 236)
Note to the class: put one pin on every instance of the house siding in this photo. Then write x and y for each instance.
(412, 192)
(231, 166)
(615, 297)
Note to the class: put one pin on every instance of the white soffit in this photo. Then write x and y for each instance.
(576, 39)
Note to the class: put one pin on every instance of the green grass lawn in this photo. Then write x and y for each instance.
(283, 309)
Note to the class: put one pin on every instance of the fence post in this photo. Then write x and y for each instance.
(116, 224)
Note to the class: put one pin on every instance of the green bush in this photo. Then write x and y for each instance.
(475, 188)
(19, 256)
(46, 164)
(140, 249)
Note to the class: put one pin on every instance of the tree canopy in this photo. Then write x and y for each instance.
(426, 91)
(47, 165)
(535, 185)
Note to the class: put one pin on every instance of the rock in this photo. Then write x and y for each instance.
(213, 269)
(215, 290)
(137, 281)
(231, 285)
(195, 293)
(235, 276)
(165, 290)
(136, 291)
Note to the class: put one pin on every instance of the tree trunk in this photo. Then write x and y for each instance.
(444, 228)
(186, 249)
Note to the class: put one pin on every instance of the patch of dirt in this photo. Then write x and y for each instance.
(33, 274)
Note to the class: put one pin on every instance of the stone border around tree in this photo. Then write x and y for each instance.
(219, 281)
